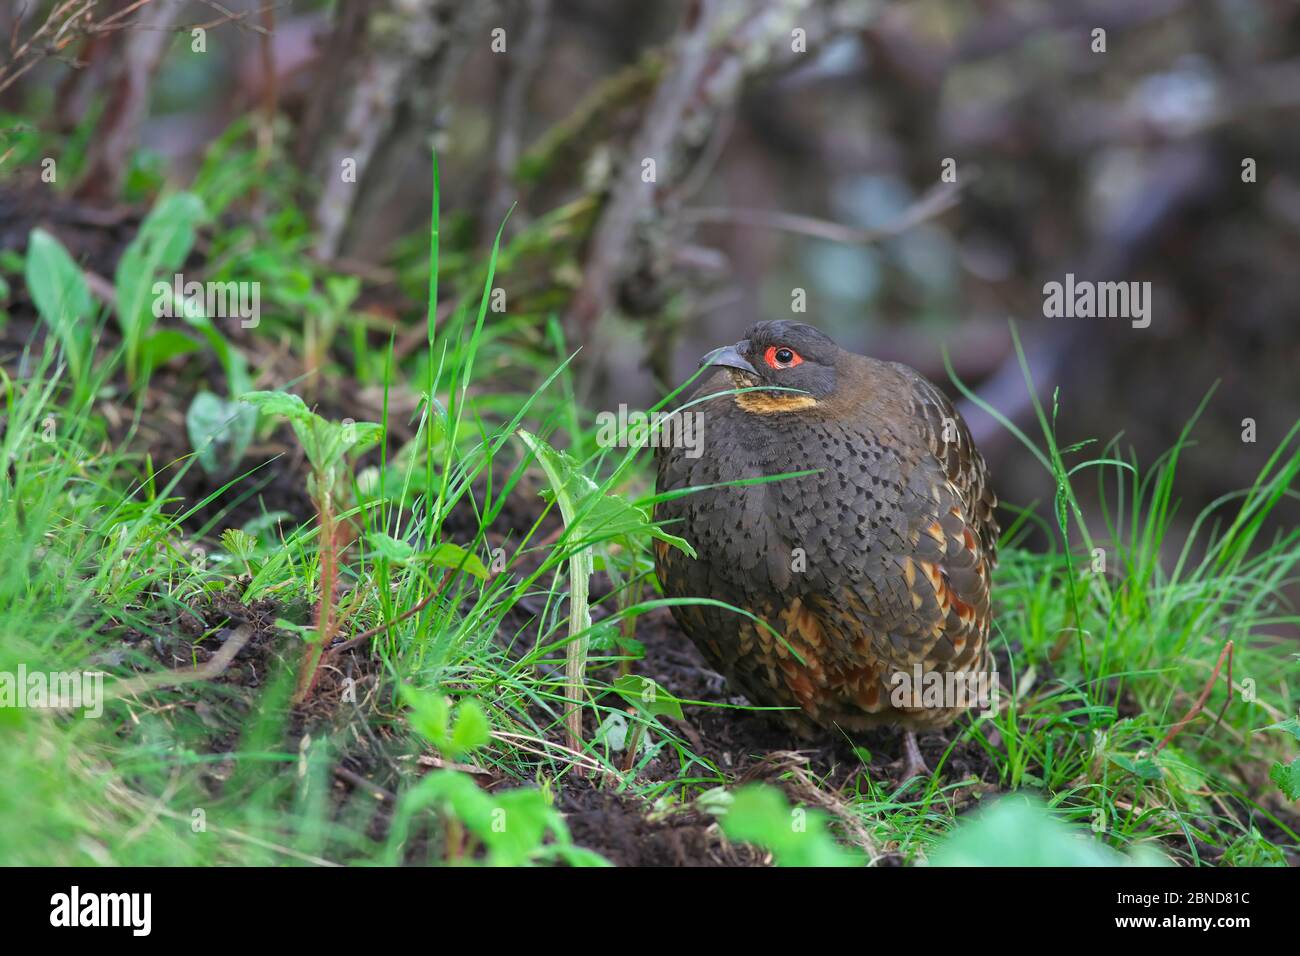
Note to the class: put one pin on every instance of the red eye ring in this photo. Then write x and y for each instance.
(770, 357)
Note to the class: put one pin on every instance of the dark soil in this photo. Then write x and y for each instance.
(621, 829)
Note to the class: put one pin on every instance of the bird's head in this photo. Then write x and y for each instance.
(787, 355)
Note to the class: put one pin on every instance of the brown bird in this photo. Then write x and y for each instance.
(876, 565)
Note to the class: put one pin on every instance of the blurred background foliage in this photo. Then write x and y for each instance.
(788, 136)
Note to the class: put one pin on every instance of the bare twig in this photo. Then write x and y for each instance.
(367, 635)
(57, 20)
(1205, 694)
(938, 200)
(214, 667)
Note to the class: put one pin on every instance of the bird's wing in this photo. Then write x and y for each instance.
(953, 448)
(920, 593)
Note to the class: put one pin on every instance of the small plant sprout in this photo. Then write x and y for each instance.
(431, 717)
(241, 546)
(511, 827)
(326, 445)
(589, 512)
(650, 701)
(62, 298)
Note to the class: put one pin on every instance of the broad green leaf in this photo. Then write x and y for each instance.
(158, 250)
(1019, 831)
(472, 730)
(796, 836)
(428, 714)
(284, 404)
(1144, 769)
(361, 435)
(1291, 726)
(1287, 778)
(324, 442)
(447, 555)
(386, 546)
(163, 346)
(59, 291)
(512, 824)
(648, 697)
(220, 432)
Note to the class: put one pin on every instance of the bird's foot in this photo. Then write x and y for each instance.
(913, 762)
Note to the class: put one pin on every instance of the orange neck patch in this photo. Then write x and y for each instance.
(762, 404)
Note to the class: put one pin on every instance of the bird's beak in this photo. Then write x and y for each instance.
(729, 356)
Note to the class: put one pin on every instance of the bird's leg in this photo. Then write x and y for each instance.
(914, 763)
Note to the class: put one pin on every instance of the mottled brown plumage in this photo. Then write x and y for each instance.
(879, 562)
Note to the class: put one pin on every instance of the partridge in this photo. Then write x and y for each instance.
(874, 565)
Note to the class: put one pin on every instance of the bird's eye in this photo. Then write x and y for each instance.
(782, 357)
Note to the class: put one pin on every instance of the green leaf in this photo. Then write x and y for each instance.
(163, 346)
(599, 516)
(1287, 778)
(161, 246)
(648, 697)
(472, 730)
(238, 543)
(572, 855)
(59, 291)
(358, 436)
(1019, 831)
(512, 825)
(447, 555)
(796, 836)
(324, 442)
(390, 548)
(430, 716)
(284, 404)
(568, 484)
(220, 432)
(1144, 769)
(1291, 726)
(613, 516)
(342, 291)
